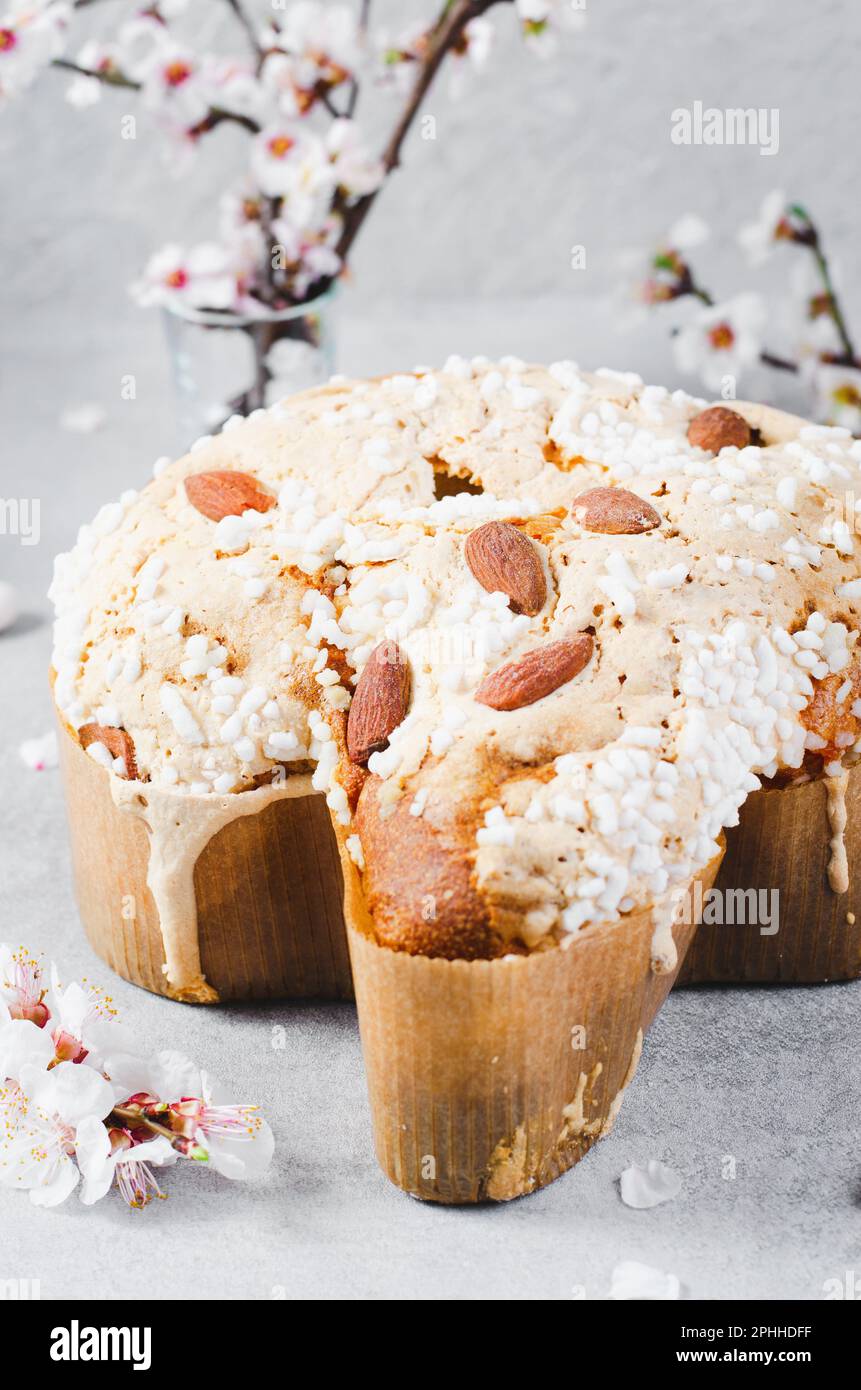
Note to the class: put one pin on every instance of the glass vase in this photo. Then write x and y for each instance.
(227, 364)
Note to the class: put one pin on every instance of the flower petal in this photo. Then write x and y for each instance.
(241, 1159)
(62, 1184)
(72, 1091)
(23, 1044)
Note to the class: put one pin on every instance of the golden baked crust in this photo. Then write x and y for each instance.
(419, 884)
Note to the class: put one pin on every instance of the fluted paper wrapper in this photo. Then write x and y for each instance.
(782, 846)
(267, 889)
(487, 1079)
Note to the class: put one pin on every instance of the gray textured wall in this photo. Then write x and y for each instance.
(469, 247)
(532, 158)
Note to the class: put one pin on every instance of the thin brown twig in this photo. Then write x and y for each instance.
(449, 27)
(782, 364)
(247, 25)
(364, 18)
(110, 77)
(131, 1118)
(810, 237)
(215, 116)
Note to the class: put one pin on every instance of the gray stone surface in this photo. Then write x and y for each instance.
(770, 1077)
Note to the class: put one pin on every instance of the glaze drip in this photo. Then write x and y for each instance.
(838, 864)
(178, 829)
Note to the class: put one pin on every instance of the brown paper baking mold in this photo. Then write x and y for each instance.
(488, 1079)
(783, 842)
(267, 888)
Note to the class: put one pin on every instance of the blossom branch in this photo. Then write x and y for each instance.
(446, 33)
(59, 1049)
(808, 235)
(112, 77)
(684, 284)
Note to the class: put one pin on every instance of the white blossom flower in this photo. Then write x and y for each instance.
(356, 171)
(233, 86)
(325, 37)
(308, 255)
(138, 40)
(31, 36)
(397, 55)
(239, 209)
(280, 80)
(759, 238)
(22, 987)
(721, 340)
(84, 1022)
(471, 54)
(76, 1100)
(105, 1156)
(237, 1140)
(37, 1145)
(837, 395)
(289, 162)
(23, 1045)
(174, 84)
(203, 278)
